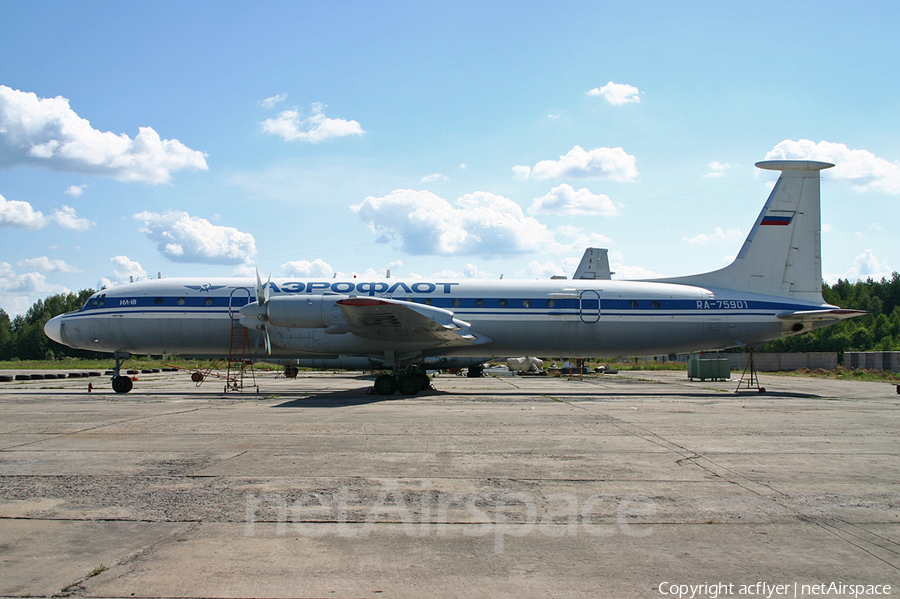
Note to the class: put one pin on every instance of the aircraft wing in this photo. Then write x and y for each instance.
(400, 321)
(827, 315)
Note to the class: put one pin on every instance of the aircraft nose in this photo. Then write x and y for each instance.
(53, 329)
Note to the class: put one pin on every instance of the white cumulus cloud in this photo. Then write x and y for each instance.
(566, 200)
(546, 270)
(476, 223)
(469, 271)
(867, 266)
(22, 215)
(272, 101)
(718, 169)
(47, 132)
(45, 264)
(305, 268)
(124, 270)
(75, 190)
(314, 128)
(719, 235)
(617, 94)
(19, 291)
(434, 178)
(185, 238)
(67, 219)
(623, 271)
(861, 168)
(611, 164)
(569, 239)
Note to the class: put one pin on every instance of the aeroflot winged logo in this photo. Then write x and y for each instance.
(363, 288)
(204, 287)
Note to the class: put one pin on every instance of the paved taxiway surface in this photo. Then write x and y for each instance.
(620, 486)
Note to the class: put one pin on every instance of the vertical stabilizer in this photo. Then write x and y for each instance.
(782, 254)
(594, 265)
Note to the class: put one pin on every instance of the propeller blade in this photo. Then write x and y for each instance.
(267, 290)
(260, 292)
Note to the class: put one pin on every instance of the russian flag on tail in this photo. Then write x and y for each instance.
(778, 221)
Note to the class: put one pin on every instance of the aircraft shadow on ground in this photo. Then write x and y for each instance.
(357, 397)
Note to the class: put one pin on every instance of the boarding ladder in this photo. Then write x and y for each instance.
(239, 363)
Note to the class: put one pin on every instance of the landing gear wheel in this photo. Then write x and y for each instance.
(424, 380)
(408, 384)
(197, 377)
(291, 371)
(122, 384)
(385, 385)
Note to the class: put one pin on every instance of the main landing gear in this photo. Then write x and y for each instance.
(408, 383)
(120, 383)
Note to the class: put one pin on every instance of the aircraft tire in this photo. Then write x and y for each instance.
(385, 385)
(408, 384)
(122, 384)
(423, 379)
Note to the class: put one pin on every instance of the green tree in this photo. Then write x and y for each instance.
(28, 341)
(861, 340)
(6, 336)
(879, 329)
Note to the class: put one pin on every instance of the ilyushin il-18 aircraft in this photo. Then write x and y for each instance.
(772, 289)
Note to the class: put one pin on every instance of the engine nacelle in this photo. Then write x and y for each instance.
(296, 311)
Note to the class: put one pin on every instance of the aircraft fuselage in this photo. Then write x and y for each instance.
(580, 318)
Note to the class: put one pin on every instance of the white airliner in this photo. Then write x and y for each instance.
(772, 289)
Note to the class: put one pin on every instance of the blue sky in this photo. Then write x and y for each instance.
(468, 138)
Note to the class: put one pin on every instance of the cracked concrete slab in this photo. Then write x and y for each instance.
(527, 487)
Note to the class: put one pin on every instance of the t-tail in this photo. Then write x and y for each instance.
(782, 255)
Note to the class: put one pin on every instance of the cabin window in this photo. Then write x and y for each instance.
(428, 301)
(551, 303)
(504, 303)
(479, 302)
(656, 305)
(526, 303)
(158, 301)
(210, 301)
(456, 302)
(180, 301)
(633, 303)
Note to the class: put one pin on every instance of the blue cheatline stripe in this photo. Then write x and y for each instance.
(474, 306)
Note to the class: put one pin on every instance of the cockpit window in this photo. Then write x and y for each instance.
(94, 302)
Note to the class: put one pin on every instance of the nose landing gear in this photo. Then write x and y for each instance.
(120, 383)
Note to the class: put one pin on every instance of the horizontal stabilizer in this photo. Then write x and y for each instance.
(831, 315)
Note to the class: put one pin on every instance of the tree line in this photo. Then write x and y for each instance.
(879, 330)
(22, 337)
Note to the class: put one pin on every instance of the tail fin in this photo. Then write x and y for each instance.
(782, 254)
